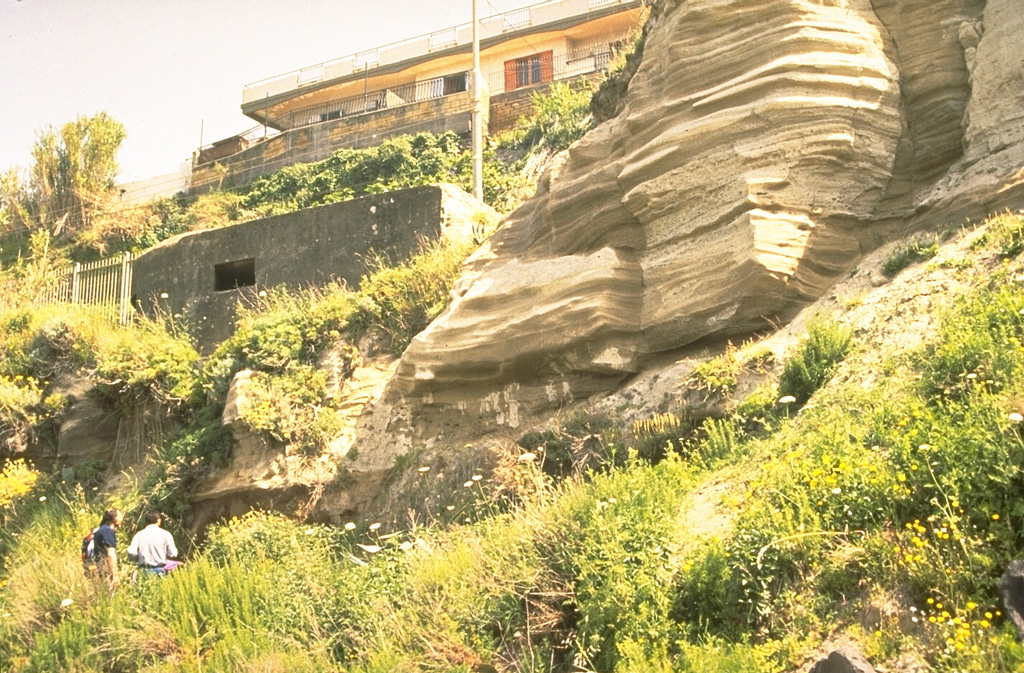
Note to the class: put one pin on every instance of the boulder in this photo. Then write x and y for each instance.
(1011, 591)
(843, 661)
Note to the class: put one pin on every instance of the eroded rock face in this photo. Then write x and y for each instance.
(764, 147)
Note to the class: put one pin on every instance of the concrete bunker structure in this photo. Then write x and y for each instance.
(201, 276)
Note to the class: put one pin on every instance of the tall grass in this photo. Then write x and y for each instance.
(827, 342)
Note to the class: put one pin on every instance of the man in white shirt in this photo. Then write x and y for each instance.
(152, 546)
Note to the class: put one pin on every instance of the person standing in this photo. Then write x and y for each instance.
(105, 541)
(152, 546)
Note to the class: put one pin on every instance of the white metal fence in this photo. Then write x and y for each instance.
(106, 284)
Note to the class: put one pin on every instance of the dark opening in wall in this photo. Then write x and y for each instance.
(232, 275)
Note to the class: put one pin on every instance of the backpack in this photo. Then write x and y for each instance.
(89, 550)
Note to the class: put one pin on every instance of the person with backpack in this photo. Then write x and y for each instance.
(104, 546)
(152, 547)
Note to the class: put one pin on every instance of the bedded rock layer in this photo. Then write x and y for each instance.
(763, 148)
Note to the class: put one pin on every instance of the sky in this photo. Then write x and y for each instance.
(172, 71)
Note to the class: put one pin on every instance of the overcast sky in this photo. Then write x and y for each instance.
(170, 70)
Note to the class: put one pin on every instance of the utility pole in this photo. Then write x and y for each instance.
(477, 115)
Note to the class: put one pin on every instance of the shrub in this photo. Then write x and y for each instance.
(16, 481)
(560, 116)
(978, 345)
(611, 540)
(658, 435)
(718, 376)
(397, 302)
(1006, 232)
(145, 363)
(826, 343)
(906, 255)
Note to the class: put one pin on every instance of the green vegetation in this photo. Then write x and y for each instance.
(397, 163)
(906, 255)
(826, 344)
(876, 509)
(561, 116)
(71, 179)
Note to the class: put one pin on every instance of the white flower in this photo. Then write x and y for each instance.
(527, 457)
(405, 546)
(374, 526)
(477, 477)
(42, 498)
(66, 602)
(468, 484)
(310, 531)
(1015, 417)
(837, 490)
(350, 526)
(787, 399)
(425, 468)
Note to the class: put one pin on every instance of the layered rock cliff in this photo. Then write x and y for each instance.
(763, 147)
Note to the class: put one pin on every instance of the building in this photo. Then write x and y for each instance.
(416, 85)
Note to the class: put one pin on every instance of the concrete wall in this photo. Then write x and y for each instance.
(140, 191)
(309, 247)
(319, 141)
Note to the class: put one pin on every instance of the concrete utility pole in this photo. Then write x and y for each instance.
(477, 115)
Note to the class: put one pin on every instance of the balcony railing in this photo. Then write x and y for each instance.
(515, 19)
(566, 66)
(396, 52)
(372, 101)
(443, 38)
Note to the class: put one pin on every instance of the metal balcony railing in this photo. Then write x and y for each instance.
(566, 66)
(515, 19)
(492, 26)
(372, 101)
(443, 38)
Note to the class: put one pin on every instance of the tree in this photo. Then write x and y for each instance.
(72, 175)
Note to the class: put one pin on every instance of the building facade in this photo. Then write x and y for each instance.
(416, 85)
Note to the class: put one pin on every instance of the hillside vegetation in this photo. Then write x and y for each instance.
(867, 491)
(82, 218)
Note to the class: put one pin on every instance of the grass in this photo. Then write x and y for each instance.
(906, 255)
(882, 511)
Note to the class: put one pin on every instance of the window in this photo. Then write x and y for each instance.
(534, 69)
(233, 275)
